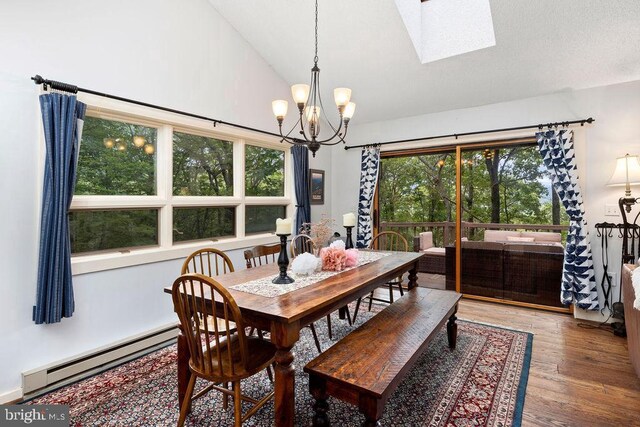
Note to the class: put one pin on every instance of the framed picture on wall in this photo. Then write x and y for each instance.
(316, 182)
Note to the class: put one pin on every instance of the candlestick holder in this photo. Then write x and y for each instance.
(349, 242)
(283, 262)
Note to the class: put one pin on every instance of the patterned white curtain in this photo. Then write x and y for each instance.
(369, 167)
(578, 280)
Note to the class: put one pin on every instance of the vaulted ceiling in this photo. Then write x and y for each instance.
(542, 46)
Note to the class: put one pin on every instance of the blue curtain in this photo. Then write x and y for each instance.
(62, 118)
(300, 155)
(369, 166)
(578, 279)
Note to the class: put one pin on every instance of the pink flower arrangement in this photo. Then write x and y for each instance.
(352, 258)
(337, 259)
(333, 259)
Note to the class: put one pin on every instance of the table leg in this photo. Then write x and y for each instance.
(413, 276)
(452, 329)
(184, 374)
(284, 337)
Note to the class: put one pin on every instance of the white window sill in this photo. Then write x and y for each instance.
(108, 261)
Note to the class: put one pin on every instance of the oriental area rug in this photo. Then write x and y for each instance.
(481, 383)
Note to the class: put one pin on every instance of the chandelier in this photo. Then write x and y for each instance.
(310, 109)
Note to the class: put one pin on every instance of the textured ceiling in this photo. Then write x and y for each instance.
(542, 46)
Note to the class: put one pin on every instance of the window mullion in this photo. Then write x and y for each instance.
(238, 185)
(164, 173)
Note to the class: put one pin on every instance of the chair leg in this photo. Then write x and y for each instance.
(315, 337)
(187, 401)
(346, 309)
(371, 300)
(391, 294)
(401, 290)
(237, 404)
(329, 326)
(225, 397)
(355, 312)
(270, 374)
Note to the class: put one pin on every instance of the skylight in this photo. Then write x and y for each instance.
(444, 28)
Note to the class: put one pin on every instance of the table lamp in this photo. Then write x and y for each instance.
(627, 173)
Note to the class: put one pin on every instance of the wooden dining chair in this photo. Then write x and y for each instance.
(213, 262)
(386, 241)
(218, 356)
(301, 244)
(209, 262)
(261, 255)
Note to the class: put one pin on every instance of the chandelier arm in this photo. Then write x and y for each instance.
(286, 137)
(337, 133)
(326, 119)
(341, 136)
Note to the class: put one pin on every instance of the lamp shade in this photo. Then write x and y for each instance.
(627, 171)
(280, 107)
(342, 95)
(300, 93)
(349, 110)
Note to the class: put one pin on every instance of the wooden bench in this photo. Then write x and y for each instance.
(367, 365)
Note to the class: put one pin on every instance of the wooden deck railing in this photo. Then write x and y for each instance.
(444, 232)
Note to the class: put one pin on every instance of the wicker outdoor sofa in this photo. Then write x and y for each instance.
(509, 265)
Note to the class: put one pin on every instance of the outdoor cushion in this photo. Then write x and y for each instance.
(435, 251)
(499, 235)
(543, 236)
(519, 239)
(426, 240)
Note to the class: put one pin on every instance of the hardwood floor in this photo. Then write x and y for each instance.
(578, 377)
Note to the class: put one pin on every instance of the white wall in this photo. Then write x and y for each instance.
(615, 132)
(176, 54)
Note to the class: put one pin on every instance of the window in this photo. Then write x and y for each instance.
(202, 223)
(163, 185)
(99, 230)
(264, 171)
(260, 219)
(202, 166)
(116, 158)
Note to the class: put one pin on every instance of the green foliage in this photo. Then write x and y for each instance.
(202, 166)
(422, 188)
(264, 171)
(261, 219)
(108, 171)
(417, 189)
(202, 223)
(112, 229)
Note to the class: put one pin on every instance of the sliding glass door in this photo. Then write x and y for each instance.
(496, 225)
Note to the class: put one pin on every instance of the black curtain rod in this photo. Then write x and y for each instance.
(480, 132)
(65, 87)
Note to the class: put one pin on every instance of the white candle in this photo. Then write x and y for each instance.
(349, 220)
(283, 226)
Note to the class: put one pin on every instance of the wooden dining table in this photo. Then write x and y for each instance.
(286, 314)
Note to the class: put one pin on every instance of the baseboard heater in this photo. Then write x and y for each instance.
(40, 380)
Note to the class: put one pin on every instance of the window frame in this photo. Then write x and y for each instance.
(164, 200)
